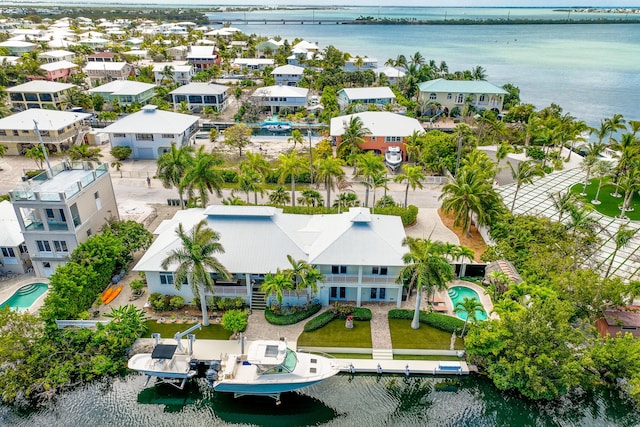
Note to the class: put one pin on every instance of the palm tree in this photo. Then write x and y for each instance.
(563, 202)
(629, 183)
(469, 193)
(296, 137)
(478, 73)
(580, 219)
(523, 174)
(587, 165)
(172, 166)
(413, 176)
(115, 164)
(469, 306)
(291, 165)
(501, 153)
(426, 267)
(353, 136)
(250, 180)
(256, 162)
(346, 200)
(279, 196)
(369, 164)
(601, 169)
(196, 261)
(310, 198)
(379, 180)
(276, 284)
(614, 124)
(203, 176)
(84, 153)
(622, 238)
(167, 74)
(328, 170)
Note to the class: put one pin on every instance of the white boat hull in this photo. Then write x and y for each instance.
(393, 158)
(175, 368)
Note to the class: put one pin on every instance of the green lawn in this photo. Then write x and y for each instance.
(168, 330)
(427, 337)
(610, 205)
(416, 357)
(336, 335)
(351, 356)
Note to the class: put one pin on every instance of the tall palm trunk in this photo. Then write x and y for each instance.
(415, 323)
(515, 196)
(203, 307)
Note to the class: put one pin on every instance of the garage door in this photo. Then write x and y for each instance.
(145, 153)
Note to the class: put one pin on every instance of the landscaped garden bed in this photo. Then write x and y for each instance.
(424, 338)
(609, 205)
(293, 316)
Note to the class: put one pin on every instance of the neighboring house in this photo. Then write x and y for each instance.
(108, 71)
(360, 64)
(449, 94)
(277, 97)
(38, 94)
(14, 256)
(102, 57)
(288, 75)
(95, 43)
(268, 47)
(57, 55)
(178, 52)
(378, 96)
(393, 74)
(150, 132)
(58, 70)
(60, 208)
(359, 253)
(58, 129)
(200, 95)
(182, 74)
(247, 65)
(12, 60)
(387, 129)
(18, 48)
(125, 92)
(619, 321)
(202, 57)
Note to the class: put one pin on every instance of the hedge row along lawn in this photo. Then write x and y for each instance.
(334, 334)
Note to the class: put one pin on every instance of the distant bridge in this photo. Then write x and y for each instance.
(283, 21)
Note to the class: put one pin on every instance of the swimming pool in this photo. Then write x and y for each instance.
(458, 294)
(23, 298)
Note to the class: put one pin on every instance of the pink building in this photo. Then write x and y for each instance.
(58, 70)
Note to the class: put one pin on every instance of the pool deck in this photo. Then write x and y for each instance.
(8, 287)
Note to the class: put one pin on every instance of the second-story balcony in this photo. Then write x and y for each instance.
(367, 279)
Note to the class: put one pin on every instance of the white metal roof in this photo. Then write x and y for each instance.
(122, 87)
(57, 53)
(460, 86)
(40, 86)
(46, 119)
(380, 123)
(283, 91)
(11, 235)
(104, 66)
(356, 93)
(198, 88)
(253, 61)
(152, 121)
(257, 239)
(288, 69)
(177, 68)
(201, 52)
(58, 65)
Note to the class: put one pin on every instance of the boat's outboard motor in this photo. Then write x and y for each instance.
(212, 373)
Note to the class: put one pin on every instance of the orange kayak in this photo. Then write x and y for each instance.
(113, 294)
(106, 294)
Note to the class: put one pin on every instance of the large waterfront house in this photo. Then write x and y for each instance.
(360, 64)
(378, 96)
(287, 75)
(60, 208)
(14, 256)
(248, 65)
(199, 95)
(150, 132)
(58, 129)
(274, 98)
(446, 95)
(125, 92)
(38, 94)
(180, 73)
(391, 73)
(359, 253)
(107, 71)
(387, 130)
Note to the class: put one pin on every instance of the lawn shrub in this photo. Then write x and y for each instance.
(437, 320)
(292, 318)
(361, 313)
(319, 321)
(176, 302)
(407, 215)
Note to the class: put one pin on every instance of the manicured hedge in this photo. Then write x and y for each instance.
(319, 321)
(337, 312)
(407, 215)
(437, 320)
(290, 319)
(361, 313)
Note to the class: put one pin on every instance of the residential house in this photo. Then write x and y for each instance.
(125, 92)
(97, 43)
(619, 321)
(102, 57)
(58, 70)
(392, 74)
(38, 94)
(181, 74)
(18, 48)
(203, 57)
(108, 71)
(359, 63)
(9, 60)
(200, 95)
(60, 208)
(14, 256)
(268, 48)
(387, 129)
(287, 75)
(249, 65)
(58, 129)
(150, 132)
(277, 97)
(57, 55)
(378, 96)
(359, 253)
(178, 53)
(448, 95)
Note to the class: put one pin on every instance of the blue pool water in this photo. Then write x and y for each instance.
(24, 297)
(458, 294)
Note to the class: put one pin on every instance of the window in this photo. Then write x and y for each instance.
(144, 137)
(482, 98)
(119, 135)
(459, 98)
(167, 135)
(433, 96)
(23, 249)
(382, 271)
(43, 245)
(16, 133)
(338, 292)
(449, 96)
(46, 264)
(166, 278)
(60, 246)
(378, 293)
(3, 132)
(374, 293)
(8, 253)
(392, 139)
(338, 269)
(50, 214)
(89, 232)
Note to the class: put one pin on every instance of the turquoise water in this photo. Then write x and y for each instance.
(24, 297)
(458, 294)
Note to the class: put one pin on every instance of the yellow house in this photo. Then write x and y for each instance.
(449, 94)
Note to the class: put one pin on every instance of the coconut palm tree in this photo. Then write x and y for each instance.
(203, 176)
(563, 202)
(291, 165)
(501, 153)
(369, 164)
(613, 125)
(379, 180)
(279, 196)
(172, 166)
(601, 169)
(310, 198)
(426, 267)
(413, 176)
(523, 174)
(276, 284)
(469, 306)
(587, 165)
(83, 152)
(250, 180)
(346, 200)
(629, 183)
(478, 73)
(296, 137)
(622, 238)
(328, 170)
(196, 262)
(353, 136)
(256, 162)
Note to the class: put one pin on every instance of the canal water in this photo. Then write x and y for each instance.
(344, 400)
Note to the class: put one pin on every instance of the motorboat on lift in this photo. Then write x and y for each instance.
(274, 125)
(269, 368)
(393, 157)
